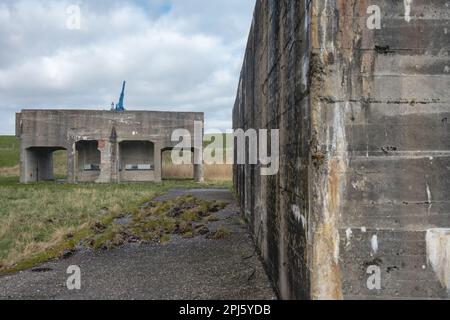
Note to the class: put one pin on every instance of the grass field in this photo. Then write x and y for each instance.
(40, 221)
(9, 156)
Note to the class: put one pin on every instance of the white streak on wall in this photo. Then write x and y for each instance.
(300, 218)
(305, 71)
(429, 196)
(408, 4)
(438, 254)
(349, 234)
(375, 244)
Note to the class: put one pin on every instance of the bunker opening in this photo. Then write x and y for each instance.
(137, 161)
(46, 164)
(188, 170)
(88, 161)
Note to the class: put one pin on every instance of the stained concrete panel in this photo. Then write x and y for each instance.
(364, 143)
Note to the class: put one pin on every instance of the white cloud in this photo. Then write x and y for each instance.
(176, 55)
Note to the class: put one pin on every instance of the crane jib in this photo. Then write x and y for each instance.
(120, 105)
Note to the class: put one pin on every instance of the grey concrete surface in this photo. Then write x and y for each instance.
(185, 269)
(364, 126)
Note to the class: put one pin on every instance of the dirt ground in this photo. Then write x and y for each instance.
(199, 268)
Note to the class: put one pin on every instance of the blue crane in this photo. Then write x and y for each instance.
(119, 107)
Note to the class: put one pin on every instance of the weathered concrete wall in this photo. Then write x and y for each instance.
(43, 131)
(274, 93)
(364, 143)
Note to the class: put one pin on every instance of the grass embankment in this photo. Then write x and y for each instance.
(39, 222)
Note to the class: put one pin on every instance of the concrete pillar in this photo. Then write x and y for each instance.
(158, 162)
(109, 165)
(72, 164)
(37, 165)
(107, 161)
(23, 165)
(115, 160)
(29, 171)
(119, 163)
(198, 165)
(198, 173)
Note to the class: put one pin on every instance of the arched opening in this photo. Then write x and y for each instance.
(46, 164)
(88, 161)
(137, 161)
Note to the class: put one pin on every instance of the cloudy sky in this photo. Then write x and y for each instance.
(176, 55)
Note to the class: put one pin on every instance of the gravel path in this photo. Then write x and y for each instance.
(184, 269)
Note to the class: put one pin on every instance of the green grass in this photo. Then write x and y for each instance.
(35, 219)
(156, 222)
(9, 151)
(221, 233)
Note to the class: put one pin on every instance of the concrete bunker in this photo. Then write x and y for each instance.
(137, 161)
(101, 146)
(38, 163)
